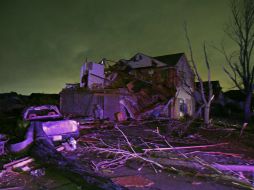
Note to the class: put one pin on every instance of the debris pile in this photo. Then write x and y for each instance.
(159, 152)
(139, 88)
(149, 145)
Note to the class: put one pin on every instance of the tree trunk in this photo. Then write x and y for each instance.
(207, 115)
(44, 152)
(247, 107)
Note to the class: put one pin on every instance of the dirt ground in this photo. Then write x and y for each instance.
(140, 134)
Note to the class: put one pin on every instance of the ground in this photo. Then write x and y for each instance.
(178, 175)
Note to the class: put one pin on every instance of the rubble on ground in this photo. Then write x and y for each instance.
(152, 145)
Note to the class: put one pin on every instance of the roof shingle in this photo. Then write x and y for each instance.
(171, 59)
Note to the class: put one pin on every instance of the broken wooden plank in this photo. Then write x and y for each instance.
(12, 188)
(184, 147)
(216, 153)
(24, 161)
(239, 168)
(15, 162)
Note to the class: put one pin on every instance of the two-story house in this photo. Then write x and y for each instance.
(136, 87)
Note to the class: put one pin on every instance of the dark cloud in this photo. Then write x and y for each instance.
(44, 42)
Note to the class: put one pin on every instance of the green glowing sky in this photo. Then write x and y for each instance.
(44, 42)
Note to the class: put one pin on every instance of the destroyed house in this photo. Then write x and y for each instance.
(137, 88)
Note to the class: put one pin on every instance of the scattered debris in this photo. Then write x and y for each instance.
(121, 156)
(23, 162)
(150, 144)
(67, 146)
(150, 148)
(73, 143)
(26, 169)
(45, 153)
(38, 172)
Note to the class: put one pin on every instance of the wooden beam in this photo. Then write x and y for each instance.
(184, 147)
(24, 161)
(239, 168)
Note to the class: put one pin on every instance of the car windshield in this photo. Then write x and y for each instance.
(43, 112)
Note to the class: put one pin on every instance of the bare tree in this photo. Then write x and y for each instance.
(240, 68)
(206, 97)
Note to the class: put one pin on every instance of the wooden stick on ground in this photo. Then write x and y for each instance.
(184, 147)
(241, 168)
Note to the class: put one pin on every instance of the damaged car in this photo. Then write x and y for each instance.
(53, 124)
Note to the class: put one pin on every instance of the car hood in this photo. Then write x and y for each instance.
(60, 127)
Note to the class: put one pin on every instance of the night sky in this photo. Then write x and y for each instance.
(43, 43)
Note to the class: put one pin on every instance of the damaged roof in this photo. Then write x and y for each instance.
(170, 60)
(141, 60)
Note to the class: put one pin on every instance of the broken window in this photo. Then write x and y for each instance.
(84, 79)
(182, 107)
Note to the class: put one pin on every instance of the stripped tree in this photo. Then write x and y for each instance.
(206, 97)
(240, 68)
